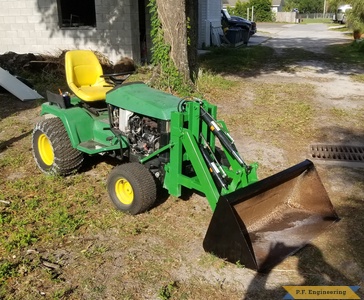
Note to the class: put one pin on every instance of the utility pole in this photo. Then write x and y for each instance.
(324, 8)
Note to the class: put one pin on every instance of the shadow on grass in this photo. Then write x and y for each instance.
(8, 143)
(10, 105)
(313, 268)
(253, 61)
(341, 136)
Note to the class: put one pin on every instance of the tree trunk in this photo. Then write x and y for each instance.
(192, 14)
(179, 22)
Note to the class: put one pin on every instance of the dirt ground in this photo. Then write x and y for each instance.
(159, 255)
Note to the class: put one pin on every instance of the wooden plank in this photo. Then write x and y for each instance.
(16, 87)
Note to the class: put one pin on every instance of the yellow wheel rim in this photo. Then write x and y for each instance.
(45, 150)
(124, 191)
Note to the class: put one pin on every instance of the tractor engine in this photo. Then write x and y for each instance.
(143, 135)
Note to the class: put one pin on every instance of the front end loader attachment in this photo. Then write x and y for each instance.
(261, 224)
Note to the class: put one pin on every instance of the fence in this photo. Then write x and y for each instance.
(316, 16)
(292, 17)
(286, 17)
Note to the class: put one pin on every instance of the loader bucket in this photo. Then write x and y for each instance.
(258, 226)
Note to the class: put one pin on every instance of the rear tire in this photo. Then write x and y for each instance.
(52, 148)
(131, 188)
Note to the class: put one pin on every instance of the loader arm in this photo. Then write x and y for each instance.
(190, 130)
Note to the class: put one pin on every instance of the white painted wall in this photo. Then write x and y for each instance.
(209, 19)
(287, 17)
(32, 26)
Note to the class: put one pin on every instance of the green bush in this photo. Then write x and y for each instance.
(261, 8)
(240, 9)
(358, 45)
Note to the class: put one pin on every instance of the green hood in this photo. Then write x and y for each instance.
(142, 99)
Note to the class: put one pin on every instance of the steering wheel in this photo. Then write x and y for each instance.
(117, 78)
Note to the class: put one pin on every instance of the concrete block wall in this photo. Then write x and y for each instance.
(286, 17)
(32, 26)
(209, 19)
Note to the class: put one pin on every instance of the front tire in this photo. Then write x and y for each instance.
(131, 188)
(52, 148)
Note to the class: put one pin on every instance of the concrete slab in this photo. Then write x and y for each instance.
(258, 39)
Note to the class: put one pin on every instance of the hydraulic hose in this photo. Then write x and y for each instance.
(214, 170)
(223, 137)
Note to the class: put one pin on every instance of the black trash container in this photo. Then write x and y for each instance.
(245, 36)
(234, 35)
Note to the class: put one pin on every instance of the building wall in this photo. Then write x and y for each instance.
(287, 17)
(209, 20)
(277, 5)
(203, 29)
(32, 26)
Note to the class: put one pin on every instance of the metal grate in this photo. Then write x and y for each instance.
(345, 153)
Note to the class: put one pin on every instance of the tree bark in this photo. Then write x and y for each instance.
(179, 22)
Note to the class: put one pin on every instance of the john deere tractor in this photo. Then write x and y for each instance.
(161, 139)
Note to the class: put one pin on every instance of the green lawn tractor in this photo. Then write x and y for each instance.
(160, 139)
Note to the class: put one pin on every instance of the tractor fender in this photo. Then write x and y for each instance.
(77, 122)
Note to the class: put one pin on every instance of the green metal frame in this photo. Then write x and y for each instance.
(83, 127)
(186, 128)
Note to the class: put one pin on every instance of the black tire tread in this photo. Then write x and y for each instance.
(67, 159)
(143, 184)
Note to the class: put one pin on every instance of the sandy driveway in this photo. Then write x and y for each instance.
(313, 37)
(334, 87)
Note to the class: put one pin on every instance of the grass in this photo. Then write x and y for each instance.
(31, 219)
(234, 60)
(340, 113)
(316, 20)
(358, 78)
(43, 213)
(215, 86)
(251, 60)
(276, 110)
(7, 270)
(208, 81)
(351, 53)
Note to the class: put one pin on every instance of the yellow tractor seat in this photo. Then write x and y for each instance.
(83, 75)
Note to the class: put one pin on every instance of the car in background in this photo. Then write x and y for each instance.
(234, 21)
(340, 15)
